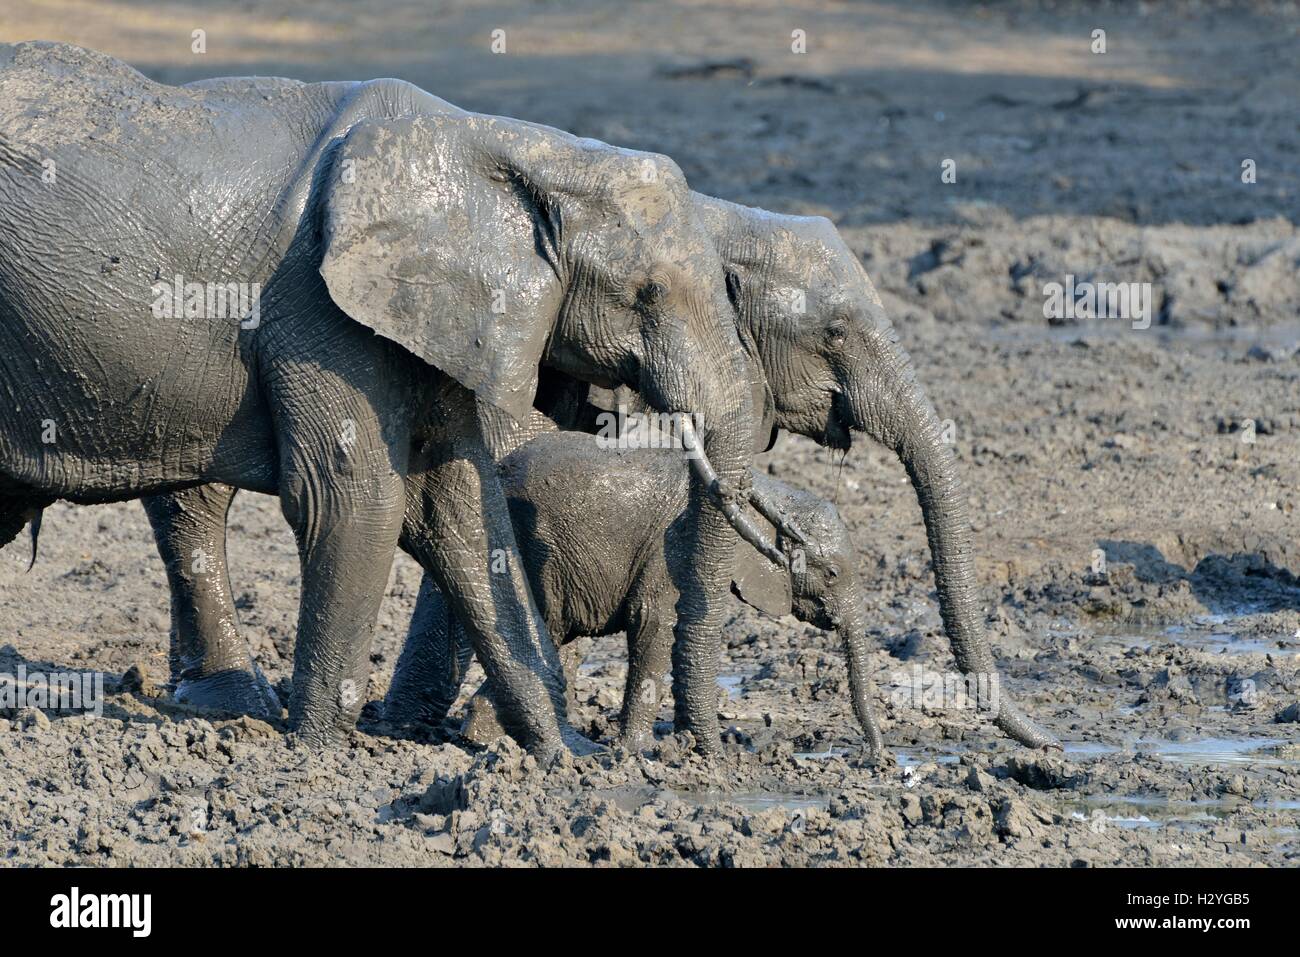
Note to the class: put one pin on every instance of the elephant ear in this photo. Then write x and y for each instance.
(437, 237)
(759, 583)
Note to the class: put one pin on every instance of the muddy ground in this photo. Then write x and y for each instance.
(1133, 490)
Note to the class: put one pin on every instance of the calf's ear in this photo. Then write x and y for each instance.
(759, 583)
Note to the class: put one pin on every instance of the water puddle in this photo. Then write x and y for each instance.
(758, 800)
(915, 757)
(1209, 633)
(731, 681)
(1088, 749)
(1152, 810)
(822, 755)
(1144, 811)
(1252, 752)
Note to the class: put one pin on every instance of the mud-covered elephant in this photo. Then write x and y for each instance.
(823, 360)
(398, 264)
(601, 533)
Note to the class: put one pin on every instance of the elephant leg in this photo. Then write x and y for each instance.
(431, 668)
(211, 665)
(343, 455)
(345, 547)
(571, 661)
(483, 723)
(649, 653)
(458, 527)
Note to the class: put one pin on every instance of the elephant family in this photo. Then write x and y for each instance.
(823, 361)
(601, 532)
(313, 290)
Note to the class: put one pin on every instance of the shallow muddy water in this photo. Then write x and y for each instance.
(1155, 811)
(1220, 634)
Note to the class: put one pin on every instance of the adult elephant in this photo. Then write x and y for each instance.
(823, 361)
(831, 364)
(407, 262)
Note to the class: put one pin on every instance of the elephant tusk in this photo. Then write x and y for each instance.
(727, 498)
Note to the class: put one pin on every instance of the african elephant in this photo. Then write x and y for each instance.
(601, 533)
(824, 362)
(399, 265)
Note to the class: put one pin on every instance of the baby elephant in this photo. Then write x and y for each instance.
(605, 539)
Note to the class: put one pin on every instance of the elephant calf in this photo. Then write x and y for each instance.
(603, 533)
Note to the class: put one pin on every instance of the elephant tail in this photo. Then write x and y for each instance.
(36, 535)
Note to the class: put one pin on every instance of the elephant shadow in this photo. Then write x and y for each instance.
(97, 690)
(1227, 584)
(25, 673)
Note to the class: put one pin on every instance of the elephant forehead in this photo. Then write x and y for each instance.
(649, 206)
(673, 238)
(811, 245)
(846, 270)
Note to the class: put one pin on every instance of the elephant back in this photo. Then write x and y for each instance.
(566, 487)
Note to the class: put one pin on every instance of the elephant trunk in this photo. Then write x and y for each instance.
(852, 626)
(903, 419)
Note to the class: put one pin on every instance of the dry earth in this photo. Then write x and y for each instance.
(1133, 489)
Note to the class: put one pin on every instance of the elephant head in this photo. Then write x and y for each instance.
(821, 588)
(486, 246)
(833, 366)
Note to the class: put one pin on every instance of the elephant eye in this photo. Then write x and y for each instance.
(654, 292)
(836, 333)
(832, 571)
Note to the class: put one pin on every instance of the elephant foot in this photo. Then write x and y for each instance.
(634, 741)
(482, 724)
(319, 736)
(707, 744)
(236, 690)
(877, 757)
(314, 740)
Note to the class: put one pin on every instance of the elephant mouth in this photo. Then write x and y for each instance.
(838, 433)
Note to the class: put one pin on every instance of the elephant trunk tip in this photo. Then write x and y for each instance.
(1020, 727)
